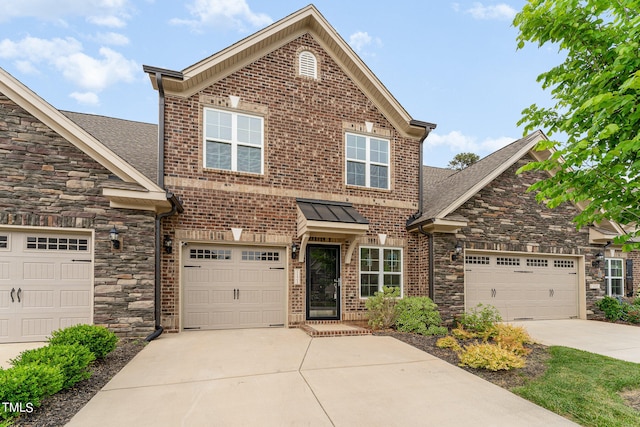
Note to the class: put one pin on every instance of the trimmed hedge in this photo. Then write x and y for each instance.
(24, 386)
(98, 339)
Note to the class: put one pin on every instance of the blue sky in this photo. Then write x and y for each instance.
(451, 63)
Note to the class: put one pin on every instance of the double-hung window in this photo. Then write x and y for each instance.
(614, 277)
(379, 267)
(367, 161)
(233, 141)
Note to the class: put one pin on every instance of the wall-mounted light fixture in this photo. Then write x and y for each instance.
(113, 236)
(457, 251)
(599, 258)
(168, 244)
(295, 248)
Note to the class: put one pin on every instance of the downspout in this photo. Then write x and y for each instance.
(174, 207)
(431, 262)
(428, 127)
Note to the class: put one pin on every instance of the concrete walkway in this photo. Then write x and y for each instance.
(12, 350)
(283, 377)
(609, 339)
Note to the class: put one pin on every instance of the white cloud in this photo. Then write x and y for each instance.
(67, 56)
(457, 142)
(107, 21)
(501, 11)
(361, 42)
(86, 98)
(115, 39)
(222, 13)
(101, 12)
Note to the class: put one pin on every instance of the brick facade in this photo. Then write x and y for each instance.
(305, 121)
(504, 217)
(45, 181)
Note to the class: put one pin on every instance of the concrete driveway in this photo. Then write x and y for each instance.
(283, 377)
(609, 339)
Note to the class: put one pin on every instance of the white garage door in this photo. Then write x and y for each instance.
(45, 283)
(228, 287)
(523, 286)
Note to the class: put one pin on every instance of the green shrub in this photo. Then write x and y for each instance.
(462, 334)
(449, 342)
(633, 313)
(491, 357)
(72, 360)
(26, 385)
(480, 319)
(512, 338)
(419, 315)
(612, 308)
(381, 308)
(98, 339)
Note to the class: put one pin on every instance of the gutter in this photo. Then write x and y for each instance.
(176, 207)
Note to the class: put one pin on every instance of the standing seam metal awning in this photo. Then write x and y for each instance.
(327, 218)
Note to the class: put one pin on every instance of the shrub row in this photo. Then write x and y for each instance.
(62, 363)
(615, 309)
(412, 314)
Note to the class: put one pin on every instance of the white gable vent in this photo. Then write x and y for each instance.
(308, 64)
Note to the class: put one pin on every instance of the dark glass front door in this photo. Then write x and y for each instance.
(323, 282)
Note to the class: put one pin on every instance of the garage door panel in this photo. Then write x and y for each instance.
(51, 275)
(523, 286)
(242, 284)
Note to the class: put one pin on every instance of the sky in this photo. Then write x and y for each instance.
(450, 63)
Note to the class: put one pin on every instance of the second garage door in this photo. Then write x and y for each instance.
(228, 287)
(523, 286)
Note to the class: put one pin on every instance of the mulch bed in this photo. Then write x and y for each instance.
(506, 379)
(57, 410)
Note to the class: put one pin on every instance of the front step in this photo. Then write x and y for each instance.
(332, 328)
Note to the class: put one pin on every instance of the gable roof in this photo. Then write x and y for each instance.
(141, 193)
(136, 142)
(306, 20)
(447, 192)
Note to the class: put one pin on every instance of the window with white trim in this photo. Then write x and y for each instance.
(308, 64)
(614, 276)
(233, 141)
(367, 161)
(379, 267)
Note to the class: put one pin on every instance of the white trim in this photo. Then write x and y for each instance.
(608, 277)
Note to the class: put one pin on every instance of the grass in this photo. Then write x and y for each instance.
(585, 387)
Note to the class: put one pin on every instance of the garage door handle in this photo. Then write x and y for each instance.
(192, 266)
(19, 293)
(13, 291)
(551, 292)
(276, 268)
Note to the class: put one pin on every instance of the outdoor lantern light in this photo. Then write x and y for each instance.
(113, 236)
(294, 250)
(167, 243)
(599, 257)
(457, 251)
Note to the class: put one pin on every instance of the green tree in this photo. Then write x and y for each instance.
(463, 160)
(596, 91)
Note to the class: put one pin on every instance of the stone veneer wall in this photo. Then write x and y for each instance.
(504, 217)
(304, 125)
(45, 181)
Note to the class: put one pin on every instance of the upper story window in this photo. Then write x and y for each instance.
(367, 161)
(233, 141)
(308, 64)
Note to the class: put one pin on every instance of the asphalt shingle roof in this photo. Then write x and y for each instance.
(134, 142)
(443, 187)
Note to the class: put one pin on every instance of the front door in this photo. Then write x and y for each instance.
(323, 282)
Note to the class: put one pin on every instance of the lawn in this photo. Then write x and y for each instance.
(586, 388)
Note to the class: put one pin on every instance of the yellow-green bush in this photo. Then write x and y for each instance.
(491, 357)
(462, 334)
(512, 338)
(449, 342)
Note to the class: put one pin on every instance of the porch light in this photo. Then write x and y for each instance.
(113, 236)
(599, 257)
(457, 251)
(294, 250)
(168, 244)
